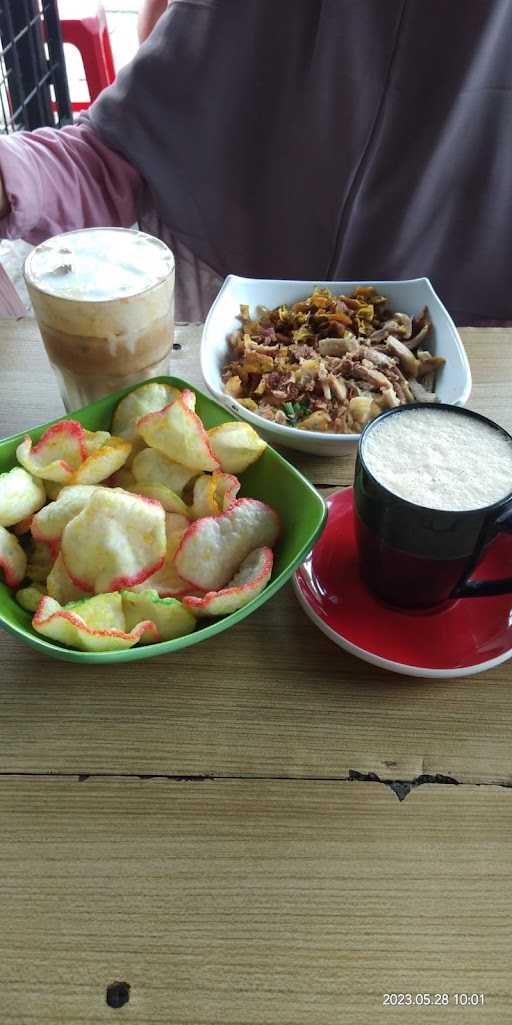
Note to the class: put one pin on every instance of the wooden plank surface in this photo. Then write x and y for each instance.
(276, 698)
(237, 903)
(273, 697)
(263, 901)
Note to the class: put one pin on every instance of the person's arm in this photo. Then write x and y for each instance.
(56, 180)
(149, 13)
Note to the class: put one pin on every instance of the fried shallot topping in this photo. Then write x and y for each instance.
(330, 363)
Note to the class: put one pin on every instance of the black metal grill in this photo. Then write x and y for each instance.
(33, 82)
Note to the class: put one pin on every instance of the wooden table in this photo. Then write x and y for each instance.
(216, 828)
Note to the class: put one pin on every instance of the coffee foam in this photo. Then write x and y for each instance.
(98, 264)
(440, 459)
(101, 282)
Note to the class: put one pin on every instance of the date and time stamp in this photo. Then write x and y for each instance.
(433, 1000)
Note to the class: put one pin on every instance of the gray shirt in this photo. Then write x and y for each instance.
(325, 139)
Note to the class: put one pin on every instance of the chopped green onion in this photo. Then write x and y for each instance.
(295, 410)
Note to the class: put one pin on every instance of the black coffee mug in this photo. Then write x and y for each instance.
(415, 557)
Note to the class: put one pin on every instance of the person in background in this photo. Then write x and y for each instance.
(149, 13)
(320, 140)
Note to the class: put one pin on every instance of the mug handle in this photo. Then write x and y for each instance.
(487, 588)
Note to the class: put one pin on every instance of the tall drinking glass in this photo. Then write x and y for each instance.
(104, 303)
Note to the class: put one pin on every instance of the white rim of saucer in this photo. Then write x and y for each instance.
(386, 663)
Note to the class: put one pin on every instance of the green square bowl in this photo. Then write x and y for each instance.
(272, 479)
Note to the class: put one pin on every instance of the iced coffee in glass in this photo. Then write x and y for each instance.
(104, 302)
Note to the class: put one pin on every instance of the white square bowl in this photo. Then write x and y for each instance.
(453, 381)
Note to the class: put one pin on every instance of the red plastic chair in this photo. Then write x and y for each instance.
(90, 36)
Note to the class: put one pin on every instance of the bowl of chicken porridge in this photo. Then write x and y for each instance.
(309, 363)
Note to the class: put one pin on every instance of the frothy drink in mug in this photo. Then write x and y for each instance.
(433, 487)
(104, 302)
(440, 459)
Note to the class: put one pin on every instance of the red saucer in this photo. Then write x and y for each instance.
(467, 636)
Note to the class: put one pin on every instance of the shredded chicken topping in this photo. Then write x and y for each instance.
(330, 363)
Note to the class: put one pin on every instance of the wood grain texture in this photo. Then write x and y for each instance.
(276, 903)
(273, 697)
